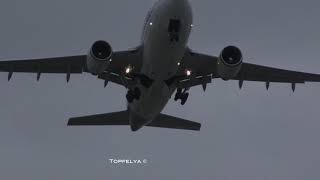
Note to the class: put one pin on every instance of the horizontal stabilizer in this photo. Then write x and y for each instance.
(166, 121)
(122, 118)
(115, 118)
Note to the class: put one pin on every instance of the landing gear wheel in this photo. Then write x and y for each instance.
(130, 96)
(183, 102)
(186, 95)
(178, 94)
(184, 99)
(176, 97)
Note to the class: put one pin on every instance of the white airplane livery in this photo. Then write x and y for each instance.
(161, 66)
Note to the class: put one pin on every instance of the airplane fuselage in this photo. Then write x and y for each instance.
(164, 41)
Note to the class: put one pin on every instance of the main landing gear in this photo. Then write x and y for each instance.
(133, 94)
(183, 95)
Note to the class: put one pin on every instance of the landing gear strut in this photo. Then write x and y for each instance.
(133, 94)
(174, 37)
(145, 81)
(183, 95)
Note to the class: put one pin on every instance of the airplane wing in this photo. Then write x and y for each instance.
(204, 66)
(120, 61)
(73, 64)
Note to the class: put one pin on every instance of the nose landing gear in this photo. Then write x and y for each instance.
(182, 95)
(174, 37)
(174, 29)
(133, 94)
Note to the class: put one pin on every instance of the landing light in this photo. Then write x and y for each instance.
(150, 23)
(128, 70)
(178, 63)
(110, 60)
(188, 73)
(191, 25)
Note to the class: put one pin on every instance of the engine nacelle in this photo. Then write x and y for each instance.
(99, 57)
(229, 62)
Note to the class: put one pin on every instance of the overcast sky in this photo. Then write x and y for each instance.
(246, 134)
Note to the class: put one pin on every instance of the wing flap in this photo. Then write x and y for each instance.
(117, 79)
(186, 83)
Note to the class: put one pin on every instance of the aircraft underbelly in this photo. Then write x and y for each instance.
(153, 100)
(164, 44)
(165, 41)
(161, 58)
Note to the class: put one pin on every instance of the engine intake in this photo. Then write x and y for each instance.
(99, 57)
(229, 62)
(231, 55)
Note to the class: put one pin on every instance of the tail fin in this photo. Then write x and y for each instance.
(122, 118)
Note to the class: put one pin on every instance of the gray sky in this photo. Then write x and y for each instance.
(247, 134)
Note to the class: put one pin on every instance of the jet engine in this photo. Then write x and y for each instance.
(99, 57)
(229, 62)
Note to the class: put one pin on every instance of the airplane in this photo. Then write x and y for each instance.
(152, 72)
